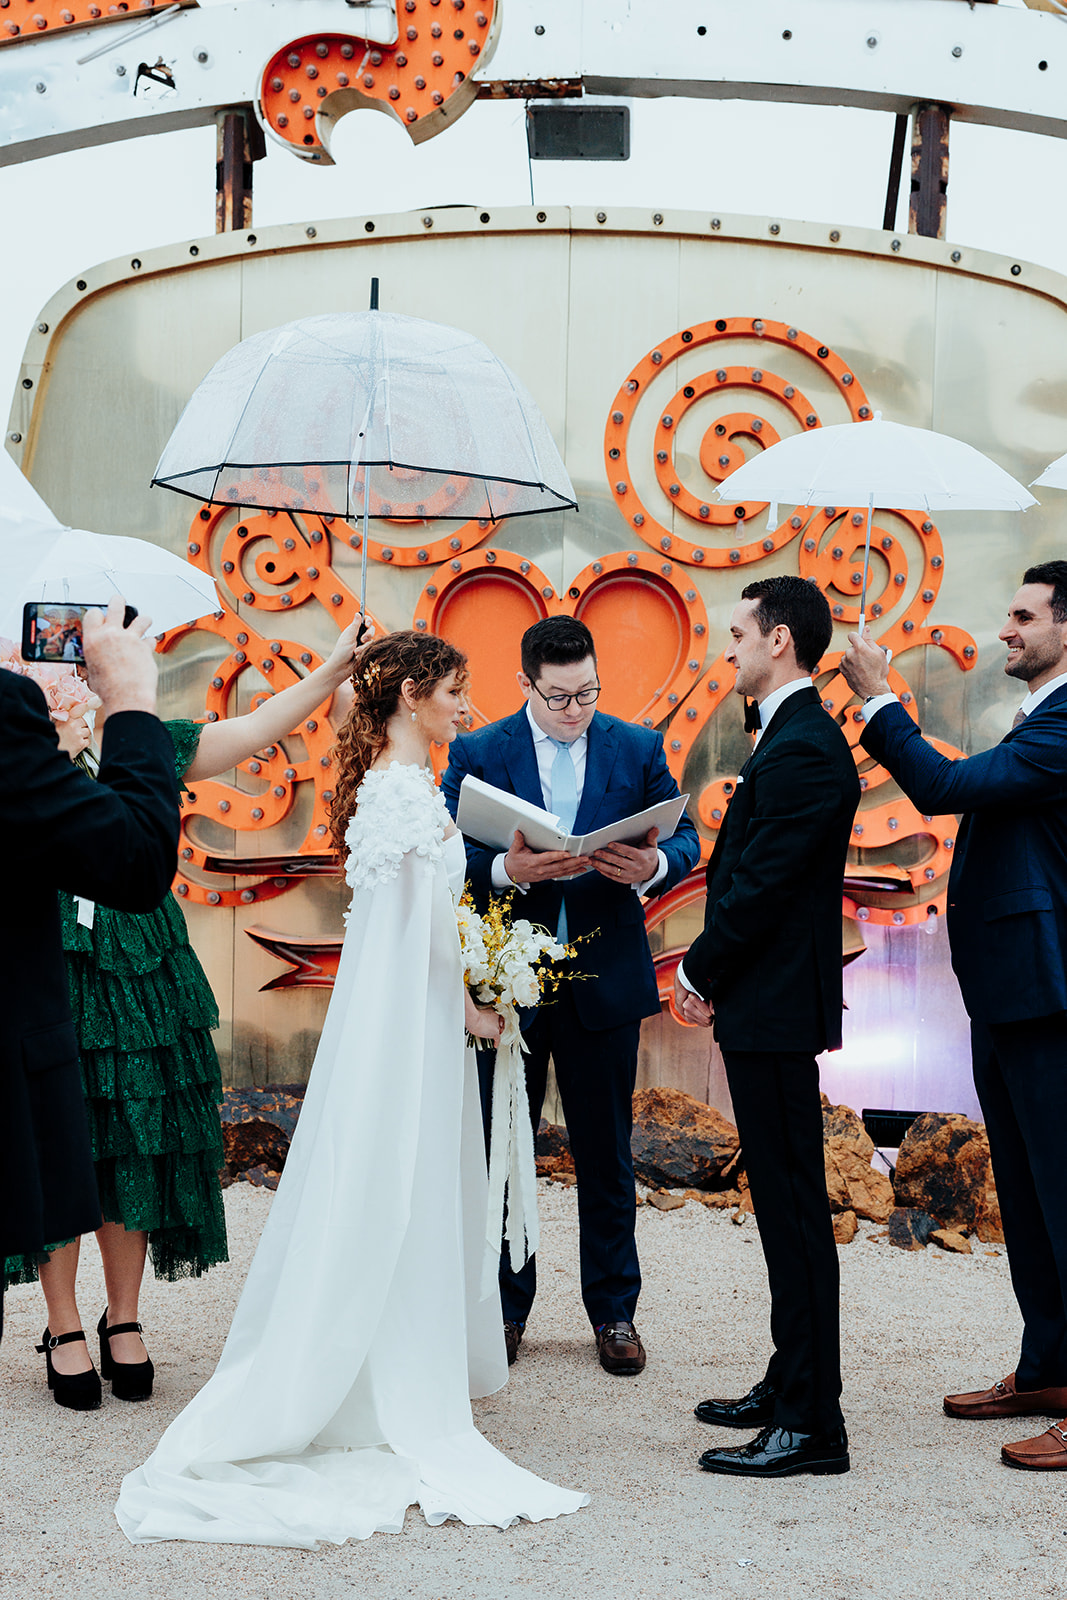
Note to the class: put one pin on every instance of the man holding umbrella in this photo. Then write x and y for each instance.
(1007, 928)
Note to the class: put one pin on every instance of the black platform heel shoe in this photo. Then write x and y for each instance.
(130, 1380)
(80, 1391)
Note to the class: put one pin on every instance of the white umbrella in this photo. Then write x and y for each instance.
(876, 463)
(366, 414)
(1054, 475)
(40, 559)
(72, 564)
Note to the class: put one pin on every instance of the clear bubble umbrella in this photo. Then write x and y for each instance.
(876, 463)
(366, 414)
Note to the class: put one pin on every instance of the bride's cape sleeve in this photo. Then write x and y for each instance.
(399, 814)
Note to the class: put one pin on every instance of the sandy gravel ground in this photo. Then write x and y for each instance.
(928, 1509)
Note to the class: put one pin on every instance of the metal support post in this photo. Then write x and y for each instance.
(929, 171)
(239, 143)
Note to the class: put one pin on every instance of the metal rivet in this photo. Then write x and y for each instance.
(776, 227)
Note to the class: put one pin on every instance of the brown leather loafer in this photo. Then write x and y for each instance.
(618, 1344)
(1004, 1400)
(1043, 1454)
(513, 1332)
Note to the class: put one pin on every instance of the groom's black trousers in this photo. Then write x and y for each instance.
(596, 1074)
(779, 1119)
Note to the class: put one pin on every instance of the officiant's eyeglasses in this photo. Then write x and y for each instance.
(560, 702)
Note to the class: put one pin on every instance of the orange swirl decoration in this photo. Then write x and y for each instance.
(274, 563)
(719, 452)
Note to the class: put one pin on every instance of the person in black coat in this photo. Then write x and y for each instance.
(766, 972)
(1007, 929)
(114, 841)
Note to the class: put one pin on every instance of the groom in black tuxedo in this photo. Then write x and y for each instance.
(113, 840)
(766, 972)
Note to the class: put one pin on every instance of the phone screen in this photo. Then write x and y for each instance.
(52, 630)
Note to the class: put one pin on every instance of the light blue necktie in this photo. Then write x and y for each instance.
(564, 803)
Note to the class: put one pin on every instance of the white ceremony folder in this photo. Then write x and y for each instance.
(492, 816)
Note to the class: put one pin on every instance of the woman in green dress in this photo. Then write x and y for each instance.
(143, 1010)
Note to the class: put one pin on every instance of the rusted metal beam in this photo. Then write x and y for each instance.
(929, 171)
(239, 143)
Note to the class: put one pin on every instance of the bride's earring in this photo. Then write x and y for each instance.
(414, 716)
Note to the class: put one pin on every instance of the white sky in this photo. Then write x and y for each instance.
(65, 213)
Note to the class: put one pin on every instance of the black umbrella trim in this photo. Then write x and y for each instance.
(562, 502)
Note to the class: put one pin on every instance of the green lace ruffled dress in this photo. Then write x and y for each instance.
(143, 1011)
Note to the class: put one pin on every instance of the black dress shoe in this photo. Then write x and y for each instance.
(513, 1332)
(78, 1391)
(130, 1380)
(778, 1453)
(753, 1408)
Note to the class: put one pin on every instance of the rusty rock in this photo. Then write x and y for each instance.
(943, 1168)
(851, 1182)
(845, 1227)
(262, 1177)
(258, 1126)
(948, 1239)
(552, 1149)
(680, 1142)
(910, 1228)
(663, 1201)
(841, 1122)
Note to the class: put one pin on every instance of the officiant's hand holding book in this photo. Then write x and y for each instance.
(538, 849)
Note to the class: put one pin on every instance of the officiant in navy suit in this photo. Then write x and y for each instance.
(590, 770)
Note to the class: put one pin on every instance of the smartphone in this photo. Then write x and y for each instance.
(52, 629)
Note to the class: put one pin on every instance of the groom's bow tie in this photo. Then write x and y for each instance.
(752, 717)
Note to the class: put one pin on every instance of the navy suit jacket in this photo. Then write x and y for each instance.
(625, 772)
(769, 958)
(1007, 888)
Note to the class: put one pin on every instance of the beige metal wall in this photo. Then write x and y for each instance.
(573, 301)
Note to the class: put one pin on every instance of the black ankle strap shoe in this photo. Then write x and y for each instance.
(130, 1380)
(78, 1391)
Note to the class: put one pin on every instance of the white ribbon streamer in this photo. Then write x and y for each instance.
(512, 1171)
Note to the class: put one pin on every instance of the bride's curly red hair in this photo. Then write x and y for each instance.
(381, 668)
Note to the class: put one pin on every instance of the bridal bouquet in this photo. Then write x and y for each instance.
(505, 967)
(69, 697)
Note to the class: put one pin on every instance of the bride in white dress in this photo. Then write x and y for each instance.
(342, 1395)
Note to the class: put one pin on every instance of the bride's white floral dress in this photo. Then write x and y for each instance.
(342, 1395)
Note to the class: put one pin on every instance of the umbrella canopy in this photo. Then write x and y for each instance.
(366, 414)
(884, 463)
(1054, 475)
(40, 559)
(876, 463)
